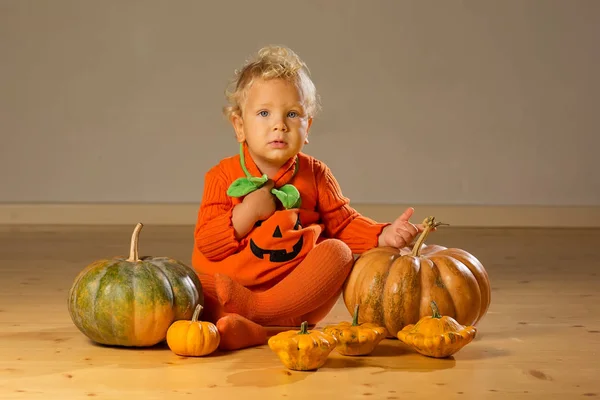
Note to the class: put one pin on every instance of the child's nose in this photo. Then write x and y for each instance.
(281, 126)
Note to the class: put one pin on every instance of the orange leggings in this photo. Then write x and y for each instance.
(307, 293)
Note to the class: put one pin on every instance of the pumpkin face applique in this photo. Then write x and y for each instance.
(279, 238)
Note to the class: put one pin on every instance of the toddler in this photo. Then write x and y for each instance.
(275, 236)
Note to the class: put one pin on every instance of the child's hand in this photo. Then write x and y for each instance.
(261, 202)
(257, 205)
(401, 232)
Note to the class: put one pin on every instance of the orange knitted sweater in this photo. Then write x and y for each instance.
(324, 213)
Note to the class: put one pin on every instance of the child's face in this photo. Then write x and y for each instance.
(273, 122)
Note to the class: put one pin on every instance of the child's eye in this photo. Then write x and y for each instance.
(292, 114)
(263, 113)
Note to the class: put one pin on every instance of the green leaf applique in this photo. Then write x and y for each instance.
(242, 186)
(288, 195)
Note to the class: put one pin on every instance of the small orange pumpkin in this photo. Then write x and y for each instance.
(193, 338)
(437, 336)
(302, 350)
(354, 339)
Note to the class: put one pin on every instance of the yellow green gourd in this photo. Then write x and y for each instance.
(302, 350)
(436, 335)
(354, 339)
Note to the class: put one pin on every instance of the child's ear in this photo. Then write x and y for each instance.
(309, 123)
(238, 126)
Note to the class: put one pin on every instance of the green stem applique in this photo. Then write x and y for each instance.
(288, 194)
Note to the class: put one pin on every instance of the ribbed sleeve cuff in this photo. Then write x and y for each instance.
(362, 234)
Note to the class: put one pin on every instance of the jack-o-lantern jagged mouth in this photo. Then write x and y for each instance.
(279, 255)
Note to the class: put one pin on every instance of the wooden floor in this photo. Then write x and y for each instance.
(540, 339)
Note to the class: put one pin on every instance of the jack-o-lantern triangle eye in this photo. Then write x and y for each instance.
(277, 232)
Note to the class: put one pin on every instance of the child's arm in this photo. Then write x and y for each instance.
(214, 235)
(340, 219)
(259, 204)
(220, 225)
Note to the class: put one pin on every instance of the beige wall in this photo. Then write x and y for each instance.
(119, 101)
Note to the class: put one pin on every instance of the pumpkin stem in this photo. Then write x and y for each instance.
(133, 250)
(303, 328)
(196, 313)
(436, 310)
(429, 224)
(355, 317)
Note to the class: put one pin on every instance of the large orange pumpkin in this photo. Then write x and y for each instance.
(395, 287)
(132, 301)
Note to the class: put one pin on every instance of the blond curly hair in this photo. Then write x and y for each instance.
(272, 62)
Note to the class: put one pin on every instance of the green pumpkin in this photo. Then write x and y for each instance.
(132, 301)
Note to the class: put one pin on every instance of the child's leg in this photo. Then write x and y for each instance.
(317, 315)
(312, 318)
(312, 283)
(236, 331)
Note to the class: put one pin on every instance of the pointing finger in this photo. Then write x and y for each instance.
(407, 214)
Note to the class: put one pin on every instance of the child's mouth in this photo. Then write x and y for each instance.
(277, 144)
